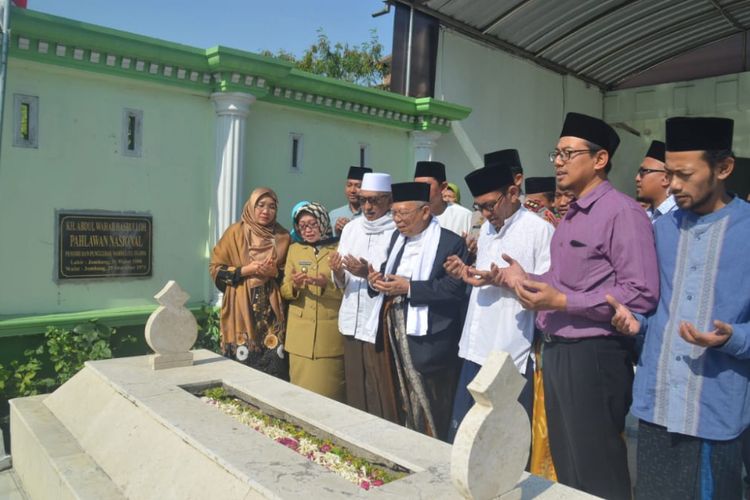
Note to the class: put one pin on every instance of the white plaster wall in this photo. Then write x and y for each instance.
(515, 104)
(330, 146)
(645, 109)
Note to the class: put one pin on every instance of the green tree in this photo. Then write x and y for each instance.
(362, 64)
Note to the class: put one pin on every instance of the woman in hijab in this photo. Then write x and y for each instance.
(296, 238)
(452, 194)
(314, 344)
(245, 266)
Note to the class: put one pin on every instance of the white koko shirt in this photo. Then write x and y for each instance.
(495, 319)
(455, 218)
(368, 240)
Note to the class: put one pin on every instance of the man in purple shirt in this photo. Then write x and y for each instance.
(604, 245)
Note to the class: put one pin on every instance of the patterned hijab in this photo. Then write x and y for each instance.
(296, 237)
(319, 212)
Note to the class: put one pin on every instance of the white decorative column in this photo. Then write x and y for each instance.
(232, 109)
(423, 144)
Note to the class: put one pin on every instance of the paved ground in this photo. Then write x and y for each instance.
(10, 486)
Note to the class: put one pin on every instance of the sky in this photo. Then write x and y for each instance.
(250, 25)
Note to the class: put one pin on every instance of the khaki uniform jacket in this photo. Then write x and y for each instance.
(312, 325)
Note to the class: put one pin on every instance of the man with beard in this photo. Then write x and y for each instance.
(604, 246)
(417, 318)
(341, 216)
(692, 386)
(652, 182)
(364, 242)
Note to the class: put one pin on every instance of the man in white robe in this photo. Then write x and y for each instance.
(495, 319)
(364, 242)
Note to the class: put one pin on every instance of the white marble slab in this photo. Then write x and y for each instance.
(149, 435)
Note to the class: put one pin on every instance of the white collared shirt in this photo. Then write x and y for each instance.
(455, 218)
(357, 303)
(664, 207)
(409, 259)
(495, 319)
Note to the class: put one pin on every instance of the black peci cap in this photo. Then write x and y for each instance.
(433, 169)
(540, 185)
(488, 179)
(699, 134)
(504, 157)
(656, 151)
(357, 173)
(591, 129)
(410, 191)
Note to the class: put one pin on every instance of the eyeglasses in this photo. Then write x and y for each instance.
(372, 200)
(403, 214)
(487, 207)
(566, 154)
(304, 227)
(643, 171)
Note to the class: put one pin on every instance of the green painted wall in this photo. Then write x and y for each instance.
(330, 146)
(86, 75)
(78, 165)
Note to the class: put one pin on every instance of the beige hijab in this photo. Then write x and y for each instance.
(245, 242)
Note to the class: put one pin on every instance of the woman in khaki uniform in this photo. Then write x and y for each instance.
(313, 341)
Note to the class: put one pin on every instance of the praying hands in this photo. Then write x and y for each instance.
(265, 268)
(715, 338)
(456, 268)
(339, 264)
(390, 284)
(357, 267)
(533, 295)
(626, 323)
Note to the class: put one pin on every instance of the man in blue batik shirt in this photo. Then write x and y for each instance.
(691, 390)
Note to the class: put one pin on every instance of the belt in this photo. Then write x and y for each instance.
(555, 339)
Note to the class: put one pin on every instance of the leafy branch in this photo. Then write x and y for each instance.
(362, 64)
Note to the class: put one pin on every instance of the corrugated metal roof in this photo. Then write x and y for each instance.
(606, 42)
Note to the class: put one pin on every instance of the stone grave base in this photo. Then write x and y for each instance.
(119, 429)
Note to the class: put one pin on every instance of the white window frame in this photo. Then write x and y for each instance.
(137, 115)
(298, 166)
(19, 100)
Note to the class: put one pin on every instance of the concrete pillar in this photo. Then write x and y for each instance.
(423, 144)
(232, 109)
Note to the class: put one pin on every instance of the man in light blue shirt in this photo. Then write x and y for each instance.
(692, 387)
(652, 182)
(341, 216)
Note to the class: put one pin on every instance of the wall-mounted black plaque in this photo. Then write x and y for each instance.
(93, 245)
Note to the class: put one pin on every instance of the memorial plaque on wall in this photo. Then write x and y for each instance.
(95, 245)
